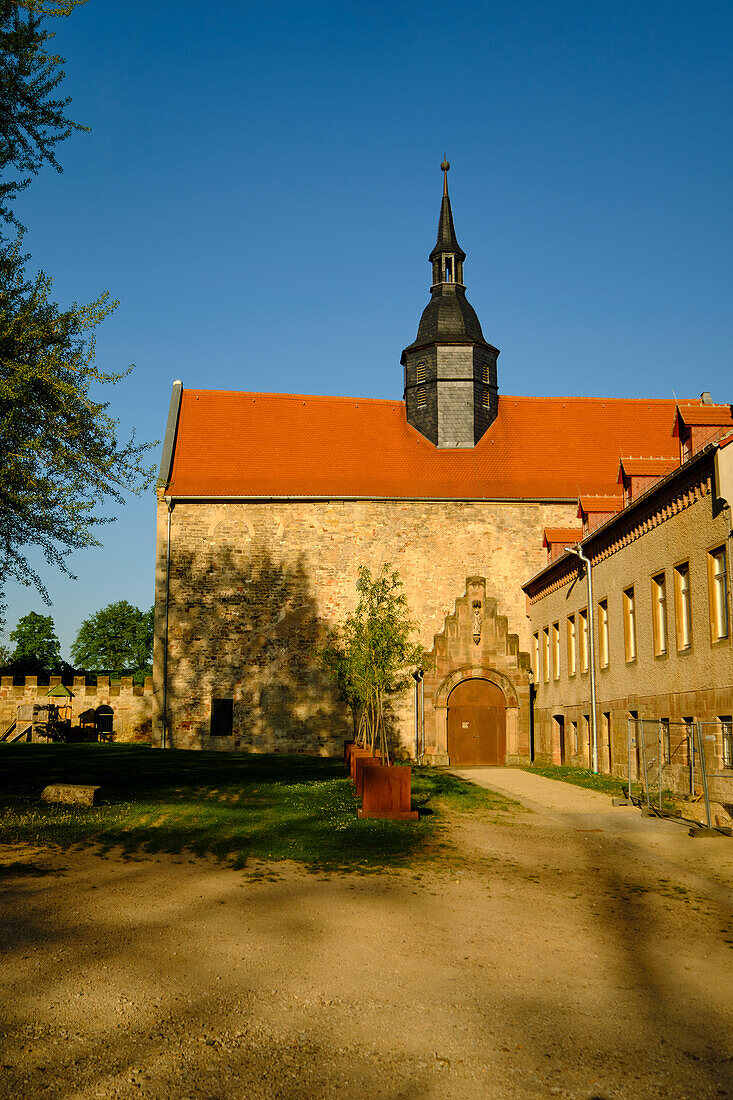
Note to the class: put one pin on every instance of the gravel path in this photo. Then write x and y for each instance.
(562, 953)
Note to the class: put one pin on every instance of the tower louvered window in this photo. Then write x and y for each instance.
(485, 374)
(485, 397)
(421, 397)
(420, 373)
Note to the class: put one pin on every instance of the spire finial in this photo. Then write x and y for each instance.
(445, 166)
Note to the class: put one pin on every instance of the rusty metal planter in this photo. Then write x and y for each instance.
(356, 754)
(362, 763)
(386, 793)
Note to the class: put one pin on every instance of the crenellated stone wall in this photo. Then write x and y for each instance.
(131, 704)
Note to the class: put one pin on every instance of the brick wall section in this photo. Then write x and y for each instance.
(254, 587)
(132, 704)
(695, 683)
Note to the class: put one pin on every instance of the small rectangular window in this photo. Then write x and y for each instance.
(683, 606)
(607, 739)
(574, 727)
(603, 655)
(556, 650)
(718, 594)
(422, 398)
(536, 657)
(583, 621)
(629, 624)
(546, 654)
(222, 717)
(726, 729)
(586, 737)
(666, 741)
(659, 613)
(571, 645)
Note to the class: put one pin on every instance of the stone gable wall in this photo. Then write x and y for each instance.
(255, 585)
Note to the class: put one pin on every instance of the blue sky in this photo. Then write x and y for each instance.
(261, 185)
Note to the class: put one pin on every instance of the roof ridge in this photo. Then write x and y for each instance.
(399, 400)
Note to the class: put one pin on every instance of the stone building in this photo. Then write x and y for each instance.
(661, 620)
(269, 503)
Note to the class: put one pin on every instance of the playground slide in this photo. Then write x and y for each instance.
(12, 733)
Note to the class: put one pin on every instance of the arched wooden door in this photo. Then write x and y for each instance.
(476, 723)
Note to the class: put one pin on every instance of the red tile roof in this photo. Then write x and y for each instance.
(707, 415)
(260, 444)
(566, 535)
(646, 467)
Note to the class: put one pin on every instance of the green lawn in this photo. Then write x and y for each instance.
(580, 777)
(233, 806)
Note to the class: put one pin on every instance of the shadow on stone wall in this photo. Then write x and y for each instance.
(246, 627)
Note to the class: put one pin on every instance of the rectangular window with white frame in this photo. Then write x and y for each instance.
(603, 646)
(584, 644)
(629, 624)
(659, 613)
(718, 594)
(556, 651)
(536, 657)
(571, 645)
(546, 654)
(683, 606)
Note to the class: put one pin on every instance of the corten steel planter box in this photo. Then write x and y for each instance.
(355, 755)
(387, 794)
(362, 763)
(348, 747)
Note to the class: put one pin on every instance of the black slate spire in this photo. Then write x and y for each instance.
(450, 368)
(446, 241)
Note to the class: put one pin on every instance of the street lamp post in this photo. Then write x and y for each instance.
(592, 655)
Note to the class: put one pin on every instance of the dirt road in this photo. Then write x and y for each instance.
(549, 960)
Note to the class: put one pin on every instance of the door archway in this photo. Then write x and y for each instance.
(476, 723)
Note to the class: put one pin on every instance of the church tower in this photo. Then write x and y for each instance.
(450, 370)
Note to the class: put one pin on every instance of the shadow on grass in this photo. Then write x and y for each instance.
(233, 806)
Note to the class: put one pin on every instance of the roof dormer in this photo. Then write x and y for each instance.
(636, 475)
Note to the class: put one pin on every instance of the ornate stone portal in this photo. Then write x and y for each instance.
(475, 643)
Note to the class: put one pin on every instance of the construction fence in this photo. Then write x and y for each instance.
(684, 758)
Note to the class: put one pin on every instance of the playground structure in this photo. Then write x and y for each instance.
(39, 722)
(105, 710)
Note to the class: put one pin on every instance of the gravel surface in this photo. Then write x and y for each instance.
(556, 956)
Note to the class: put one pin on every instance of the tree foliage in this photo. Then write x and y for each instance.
(35, 640)
(33, 120)
(117, 639)
(373, 652)
(61, 455)
(60, 448)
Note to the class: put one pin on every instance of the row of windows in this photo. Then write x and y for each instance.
(577, 641)
(675, 746)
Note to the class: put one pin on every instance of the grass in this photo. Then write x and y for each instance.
(579, 777)
(582, 777)
(233, 806)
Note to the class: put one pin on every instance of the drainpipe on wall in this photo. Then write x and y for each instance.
(418, 678)
(169, 502)
(592, 655)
